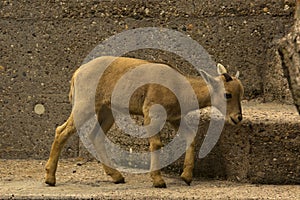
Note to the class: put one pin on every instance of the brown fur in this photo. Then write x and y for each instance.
(141, 101)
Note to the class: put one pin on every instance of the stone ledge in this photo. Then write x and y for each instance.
(274, 144)
(263, 149)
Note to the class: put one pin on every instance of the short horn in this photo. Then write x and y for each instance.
(237, 75)
(221, 69)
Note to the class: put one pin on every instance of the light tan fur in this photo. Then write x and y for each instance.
(140, 102)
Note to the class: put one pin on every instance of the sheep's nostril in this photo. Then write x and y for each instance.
(240, 117)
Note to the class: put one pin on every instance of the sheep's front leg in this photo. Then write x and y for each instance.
(155, 145)
(62, 134)
(188, 167)
(153, 122)
(189, 160)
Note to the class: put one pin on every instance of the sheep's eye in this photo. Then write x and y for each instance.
(227, 96)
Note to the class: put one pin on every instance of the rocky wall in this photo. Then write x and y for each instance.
(43, 42)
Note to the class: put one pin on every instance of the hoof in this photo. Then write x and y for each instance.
(120, 181)
(160, 185)
(186, 179)
(50, 182)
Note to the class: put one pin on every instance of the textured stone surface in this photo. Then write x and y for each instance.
(78, 179)
(259, 150)
(263, 149)
(43, 42)
(288, 51)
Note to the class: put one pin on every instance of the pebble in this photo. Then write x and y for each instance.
(147, 11)
(266, 9)
(39, 109)
(286, 7)
(277, 138)
(189, 27)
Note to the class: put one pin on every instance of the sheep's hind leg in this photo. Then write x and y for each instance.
(62, 134)
(106, 120)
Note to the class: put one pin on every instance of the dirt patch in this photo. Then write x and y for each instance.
(23, 179)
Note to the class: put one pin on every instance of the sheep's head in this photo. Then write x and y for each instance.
(226, 94)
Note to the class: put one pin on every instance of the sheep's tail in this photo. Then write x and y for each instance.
(72, 88)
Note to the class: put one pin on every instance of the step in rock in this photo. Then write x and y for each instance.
(265, 148)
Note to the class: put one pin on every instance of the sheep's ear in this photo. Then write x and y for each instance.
(237, 75)
(209, 79)
(221, 69)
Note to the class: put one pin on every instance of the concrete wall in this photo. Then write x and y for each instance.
(43, 42)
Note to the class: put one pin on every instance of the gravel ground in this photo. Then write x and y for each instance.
(80, 179)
